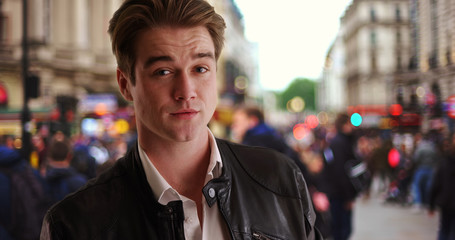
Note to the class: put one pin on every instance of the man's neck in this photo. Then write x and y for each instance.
(182, 164)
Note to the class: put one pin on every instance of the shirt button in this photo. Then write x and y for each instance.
(212, 192)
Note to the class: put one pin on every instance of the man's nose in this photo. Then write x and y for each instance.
(185, 87)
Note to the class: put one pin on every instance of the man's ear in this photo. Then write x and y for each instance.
(124, 85)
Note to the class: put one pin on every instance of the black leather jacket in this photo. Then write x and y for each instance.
(260, 194)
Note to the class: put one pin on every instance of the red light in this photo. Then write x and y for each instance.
(312, 121)
(299, 131)
(55, 114)
(394, 158)
(69, 116)
(451, 106)
(396, 109)
(3, 95)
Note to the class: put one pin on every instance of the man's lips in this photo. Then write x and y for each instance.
(185, 113)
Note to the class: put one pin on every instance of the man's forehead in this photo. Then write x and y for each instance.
(193, 42)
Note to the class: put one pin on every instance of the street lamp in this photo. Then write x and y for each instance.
(25, 114)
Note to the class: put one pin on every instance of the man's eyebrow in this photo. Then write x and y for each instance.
(204, 55)
(152, 60)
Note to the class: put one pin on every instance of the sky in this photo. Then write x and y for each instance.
(293, 36)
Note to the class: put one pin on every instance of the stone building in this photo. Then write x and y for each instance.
(430, 77)
(396, 52)
(332, 85)
(377, 46)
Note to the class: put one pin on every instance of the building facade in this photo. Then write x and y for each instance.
(332, 85)
(377, 46)
(430, 78)
(396, 52)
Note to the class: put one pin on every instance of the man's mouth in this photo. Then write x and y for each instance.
(185, 113)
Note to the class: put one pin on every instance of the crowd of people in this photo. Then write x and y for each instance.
(413, 169)
(63, 164)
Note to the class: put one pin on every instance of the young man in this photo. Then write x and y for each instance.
(337, 183)
(179, 182)
(61, 178)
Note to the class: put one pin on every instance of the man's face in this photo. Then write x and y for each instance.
(175, 93)
(241, 123)
(348, 128)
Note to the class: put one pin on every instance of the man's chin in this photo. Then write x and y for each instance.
(189, 135)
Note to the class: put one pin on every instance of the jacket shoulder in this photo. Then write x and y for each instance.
(97, 203)
(268, 167)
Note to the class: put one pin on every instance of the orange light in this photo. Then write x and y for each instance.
(100, 109)
(299, 131)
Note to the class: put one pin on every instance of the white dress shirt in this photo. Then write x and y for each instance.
(213, 225)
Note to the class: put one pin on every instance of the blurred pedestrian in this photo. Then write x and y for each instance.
(61, 178)
(82, 161)
(425, 160)
(337, 183)
(442, 193)
(249, 128)
(23, 202)
(7, 141)
(179, 181)
(40, 148)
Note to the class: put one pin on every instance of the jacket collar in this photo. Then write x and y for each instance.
(136, 175)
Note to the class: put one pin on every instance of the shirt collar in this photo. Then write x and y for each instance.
(164, 192)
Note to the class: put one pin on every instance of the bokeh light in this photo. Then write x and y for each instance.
(299, 131)
(241, 84)
(323, 118)
(394, 158)
(100, 109)
(296, 104)
(356, 119)
(312, 121)
(420, 92)
(396, 109)
(121, 126)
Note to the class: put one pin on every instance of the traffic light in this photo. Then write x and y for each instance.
(63, 115)
(33, 86)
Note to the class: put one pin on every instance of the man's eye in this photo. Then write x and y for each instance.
(163, 72)
(201, 69)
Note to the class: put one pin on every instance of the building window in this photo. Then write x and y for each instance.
(373, 40)
(434, 34)
(372, 15)
(399, 66)
(433, 60)
(448, 58)
(398, 36)
(3, 28)
(397, 14)
(374, 64)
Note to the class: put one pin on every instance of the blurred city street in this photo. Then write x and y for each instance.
(375, 220)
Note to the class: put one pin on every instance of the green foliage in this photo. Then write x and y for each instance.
(305, 88)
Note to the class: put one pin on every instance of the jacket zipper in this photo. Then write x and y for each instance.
(259, 236)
